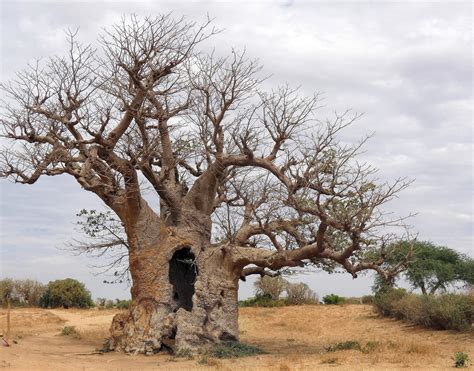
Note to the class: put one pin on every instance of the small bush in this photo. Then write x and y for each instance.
(333, 299)
(330, 361)
(385, 301)
(408, 307)
(461, 360)
(234, 349)
(300, 293)
(370, 346)
(69, 331)
(345, 345)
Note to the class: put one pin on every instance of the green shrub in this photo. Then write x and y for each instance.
(410, 308)
(385, 301)
(450, 311)
(461, 360)
(262, 301)
(333, 299)
(234, 349)
(67, 293)
(123, 304)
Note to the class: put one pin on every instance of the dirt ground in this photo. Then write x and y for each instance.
(296, 338)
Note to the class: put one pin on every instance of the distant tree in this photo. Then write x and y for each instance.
(432, 268)
(7, 290)
(30, 291)
(100, 302)
(271, 286)
(300, 293)
(67, 293)
(333, 299)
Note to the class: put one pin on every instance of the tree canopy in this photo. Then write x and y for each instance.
(67, 293)
(203, 133)
(432, 267)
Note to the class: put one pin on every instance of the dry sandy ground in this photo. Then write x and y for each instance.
(295, 338)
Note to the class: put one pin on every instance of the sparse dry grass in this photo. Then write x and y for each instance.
(28, 321)
(296, 338)
(302, 334)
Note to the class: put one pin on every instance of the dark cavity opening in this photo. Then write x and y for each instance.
(182, 275)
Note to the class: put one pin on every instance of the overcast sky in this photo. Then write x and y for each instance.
(406, 65)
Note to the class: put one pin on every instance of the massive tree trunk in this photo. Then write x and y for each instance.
(184, 293)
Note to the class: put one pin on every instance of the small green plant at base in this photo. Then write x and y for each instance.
(344, 345)
(461, 360)
(70, 331)
(234, 349)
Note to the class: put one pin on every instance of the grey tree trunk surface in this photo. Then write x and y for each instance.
(184, 297)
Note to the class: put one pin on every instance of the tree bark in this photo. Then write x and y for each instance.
(184, 293)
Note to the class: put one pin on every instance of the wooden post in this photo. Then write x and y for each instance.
(8, 321)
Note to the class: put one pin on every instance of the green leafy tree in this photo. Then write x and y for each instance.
(432, 268)
(67, 293)
(333, 299)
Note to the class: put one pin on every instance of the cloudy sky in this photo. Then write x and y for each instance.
(406, 65)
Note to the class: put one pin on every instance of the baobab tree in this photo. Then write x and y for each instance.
(248, 181)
